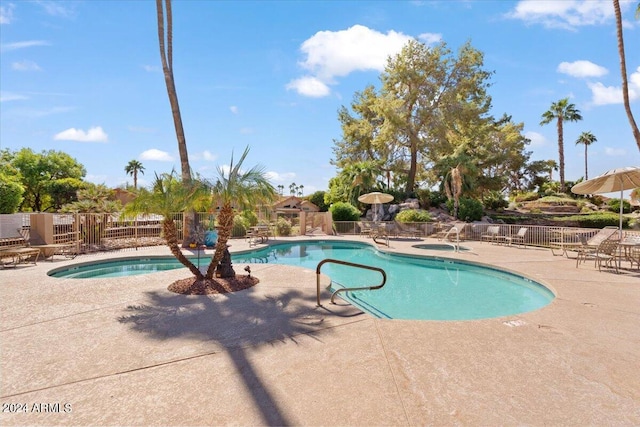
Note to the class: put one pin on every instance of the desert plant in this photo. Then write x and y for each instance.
(468, 210)
(614, 206)
(283, 227)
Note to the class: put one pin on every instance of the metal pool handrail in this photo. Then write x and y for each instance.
(350, 264)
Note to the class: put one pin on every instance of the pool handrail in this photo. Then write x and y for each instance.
(349, 264)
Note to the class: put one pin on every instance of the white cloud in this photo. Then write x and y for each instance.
(8, 96)
(430, 38)
(582, 69)
(94, 134)
(155, 154)
(309, 86)
(233, 109)
(280, 177)
(25, 66)
(614, 152)
(205, 155)
(6, 13)
(56, 8)
(151, 68)
(537, 139)
(331, 54)
(567, 14)
(6, 47)
(605, 95)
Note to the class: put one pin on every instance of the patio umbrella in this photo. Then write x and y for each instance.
(375, 198)
(618, 179)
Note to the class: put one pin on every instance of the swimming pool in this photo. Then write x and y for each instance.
(417, 287)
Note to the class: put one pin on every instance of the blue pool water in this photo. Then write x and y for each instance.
(417, 287)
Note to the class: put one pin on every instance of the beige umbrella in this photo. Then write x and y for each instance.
(375, 198)
(618, 179)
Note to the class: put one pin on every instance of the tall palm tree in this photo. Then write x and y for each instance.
(166, 56)
(623, 71)
(168, 196)
(236, 189)
(586, 138)
(132, 168)
(561, 111)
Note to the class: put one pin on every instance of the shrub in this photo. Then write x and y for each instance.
(342, 211)
(283, 227)
(494, 200)
(250, 217)
(526, 197)
(413, 215)
(317, 199)
(469, 210)
(429, 198)
(614, 206)
(595, 220)
(240, 226)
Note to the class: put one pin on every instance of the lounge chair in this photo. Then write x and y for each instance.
(17, 253)
(517, 238)
(407, 231)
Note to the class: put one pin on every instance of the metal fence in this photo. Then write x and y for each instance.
(103, 232)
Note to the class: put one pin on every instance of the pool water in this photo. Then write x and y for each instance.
(416, 288)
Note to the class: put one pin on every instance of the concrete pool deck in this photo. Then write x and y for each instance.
(125, 351)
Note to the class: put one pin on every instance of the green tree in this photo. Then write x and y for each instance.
(168, 196)
(586, 139)
(11, 189)
(236, 189)
(317, 198)
(132, 168)
(623, 71)
(425, 92)
(40, 171)
(561, 111)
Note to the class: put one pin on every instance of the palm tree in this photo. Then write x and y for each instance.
(132, 168)
(561, 111)
(166, 56)
(623, 71)
(453, 188)
(236, 190)
(586, 138)
(168, 196)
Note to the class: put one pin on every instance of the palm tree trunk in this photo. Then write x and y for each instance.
(166, 56)
(171, 236)
(225, 222)
(623, 72)
(561, 153)
(586, 171)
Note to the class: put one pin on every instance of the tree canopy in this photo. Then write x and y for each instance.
(430, 115)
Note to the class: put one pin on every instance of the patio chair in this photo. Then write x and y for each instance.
(517, 238)
(365, 228)
(407, 231)
(588, 248)
(492, 234)
(609, 254)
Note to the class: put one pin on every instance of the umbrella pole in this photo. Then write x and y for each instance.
(621, 209)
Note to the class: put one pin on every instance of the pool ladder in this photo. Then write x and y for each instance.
(350, 264)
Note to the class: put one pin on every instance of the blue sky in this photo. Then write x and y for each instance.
(85, 77)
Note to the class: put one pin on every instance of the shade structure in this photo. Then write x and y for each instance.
(375, 198)
(618, 179)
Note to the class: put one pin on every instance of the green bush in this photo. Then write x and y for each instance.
(317, 199)
(283, 227)
(614, 206)
(526, 197)
(494, 200)
(469, 210)
(413, 215)
(10, 195)
(595, 220)
(342, 211)
(429, 198)
(250, 216)
(240, 226)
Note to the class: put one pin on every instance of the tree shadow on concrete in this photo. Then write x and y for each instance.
(237, 321)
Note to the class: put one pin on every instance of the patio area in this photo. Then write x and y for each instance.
(126, 351)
